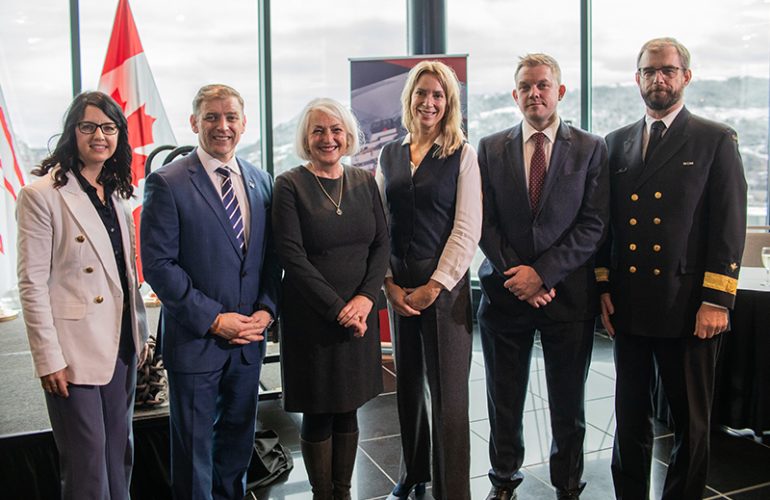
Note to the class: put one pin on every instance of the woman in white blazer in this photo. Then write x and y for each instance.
(85, 318)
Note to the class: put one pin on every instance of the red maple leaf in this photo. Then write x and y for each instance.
(139, 134)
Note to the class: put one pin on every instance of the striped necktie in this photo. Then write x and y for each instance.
(232, 209)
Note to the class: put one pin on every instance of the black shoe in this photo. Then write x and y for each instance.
(401, 492)
(501, 493)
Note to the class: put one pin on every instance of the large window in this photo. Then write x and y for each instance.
(187, 46)
(311, 47)
(730, 48)
(495, 34)
(35, 72)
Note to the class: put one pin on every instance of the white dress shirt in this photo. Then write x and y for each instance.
(210, 165)
(466, 230)
(527, 131)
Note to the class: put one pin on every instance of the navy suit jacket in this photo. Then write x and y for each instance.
(192, 260)
(560, 238)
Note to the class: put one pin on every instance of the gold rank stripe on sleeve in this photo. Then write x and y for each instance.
(720, 282)
(602, 274)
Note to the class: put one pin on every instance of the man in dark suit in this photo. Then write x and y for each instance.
(207, 253)
(545, 212)
(669, 271)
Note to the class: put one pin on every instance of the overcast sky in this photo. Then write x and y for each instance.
(189, 43)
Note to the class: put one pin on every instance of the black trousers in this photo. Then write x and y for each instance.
(686, 368)
(507, 344)
(433, 358)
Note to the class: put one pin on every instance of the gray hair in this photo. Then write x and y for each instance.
(331, 108)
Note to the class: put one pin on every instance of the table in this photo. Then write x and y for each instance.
(742, 390)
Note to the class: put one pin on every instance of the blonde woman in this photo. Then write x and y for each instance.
(430, 184)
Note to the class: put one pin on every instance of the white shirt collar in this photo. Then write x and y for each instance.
(408, 140)
(667, 120)
(210, 164)
(528, 130)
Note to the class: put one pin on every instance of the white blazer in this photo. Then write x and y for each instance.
(69, 284)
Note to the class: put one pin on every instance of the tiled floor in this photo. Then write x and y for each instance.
(740, 467)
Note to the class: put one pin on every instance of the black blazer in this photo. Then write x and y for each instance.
(678, 225)
(560, 239)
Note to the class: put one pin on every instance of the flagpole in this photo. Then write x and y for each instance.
(75, 47)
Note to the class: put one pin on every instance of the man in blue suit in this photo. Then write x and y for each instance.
(207, 253)
(546, 202)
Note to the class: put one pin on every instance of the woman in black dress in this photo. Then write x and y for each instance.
(432, 187)
(332, 240)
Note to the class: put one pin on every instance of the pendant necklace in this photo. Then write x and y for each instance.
(338, 203)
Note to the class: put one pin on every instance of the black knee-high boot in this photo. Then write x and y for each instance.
(318, 463)
(344, 448)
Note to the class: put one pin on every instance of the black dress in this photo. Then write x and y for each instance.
(328, 259)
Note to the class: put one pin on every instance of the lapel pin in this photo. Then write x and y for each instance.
(252, 185)
(688, 163)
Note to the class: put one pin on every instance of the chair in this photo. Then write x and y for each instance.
(756, 238)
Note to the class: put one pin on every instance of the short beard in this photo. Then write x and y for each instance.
(661, 104)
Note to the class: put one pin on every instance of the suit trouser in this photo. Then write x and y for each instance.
(213, 420)
(686, 367)
(435, 348)
(507, 349)
(93, 433)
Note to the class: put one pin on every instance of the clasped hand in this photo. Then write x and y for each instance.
(526, 284)
(354, 314)
(410, 301)
(239, 329)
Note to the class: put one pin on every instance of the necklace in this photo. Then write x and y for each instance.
(338, 203)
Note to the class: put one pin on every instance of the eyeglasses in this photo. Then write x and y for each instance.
(89, 128)
(650, 72)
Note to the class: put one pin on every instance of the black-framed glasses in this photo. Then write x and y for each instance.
(89, 128)
(668, 71)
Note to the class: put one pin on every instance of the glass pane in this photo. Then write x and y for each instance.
(730, 49)
(186, 47)
(495, 34)
(311, 45)
(35, 72)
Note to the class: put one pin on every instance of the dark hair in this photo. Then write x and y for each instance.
(116, 174)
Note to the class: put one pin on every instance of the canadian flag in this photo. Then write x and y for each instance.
(12, 181)
(126, 77)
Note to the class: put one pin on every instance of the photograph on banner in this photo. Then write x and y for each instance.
(375, 99)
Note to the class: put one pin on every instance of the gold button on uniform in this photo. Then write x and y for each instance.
(632, 246)
(98, 299)
(656, 248)
(658, 195)
(89, 270)
(80, 238)
(632, 269)
(656, 220)
(634, 197)
(632, 221)
(656, 272)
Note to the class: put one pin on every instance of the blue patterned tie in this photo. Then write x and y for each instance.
(232, 208)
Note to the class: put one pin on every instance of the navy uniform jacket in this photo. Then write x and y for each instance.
(677, 227)
(560, 239)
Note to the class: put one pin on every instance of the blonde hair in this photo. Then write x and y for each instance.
(451, 124)
(331, 108)
(538, 59)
